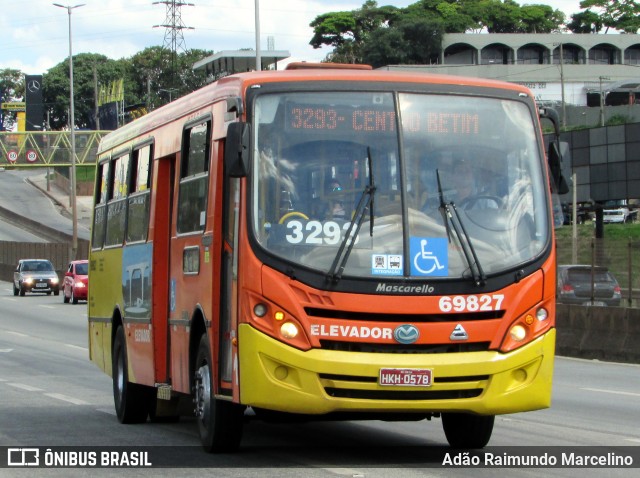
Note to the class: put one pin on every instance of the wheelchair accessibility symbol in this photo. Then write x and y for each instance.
(429, 256)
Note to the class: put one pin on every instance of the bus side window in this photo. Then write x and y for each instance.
(100, 212)
(117, 206)
(138, 207)
(194, 178)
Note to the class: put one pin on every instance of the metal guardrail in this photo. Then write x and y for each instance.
(48, 148)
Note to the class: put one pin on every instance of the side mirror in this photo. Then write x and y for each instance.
(560, 185)
(236, 153)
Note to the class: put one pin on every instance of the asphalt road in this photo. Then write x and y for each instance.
(52, 396)
(21, 197)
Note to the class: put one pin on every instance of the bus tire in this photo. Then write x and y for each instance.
(131, 400)
(464, 430)
(219, 422)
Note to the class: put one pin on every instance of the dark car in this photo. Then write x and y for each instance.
(76, 282)
(35, 275)
(587, 285)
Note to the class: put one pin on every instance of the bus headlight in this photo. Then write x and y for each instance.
(260, 310)
(518, 333)
(289, 330)
(542, 314)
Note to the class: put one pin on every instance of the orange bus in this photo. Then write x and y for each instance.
(327, 242)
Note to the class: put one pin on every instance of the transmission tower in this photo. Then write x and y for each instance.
(173, 37)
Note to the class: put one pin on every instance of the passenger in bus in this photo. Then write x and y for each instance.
(467, 192)
(463, 181)
(335, 200)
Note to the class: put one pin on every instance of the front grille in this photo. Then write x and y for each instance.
(457, 347)
(402, 318)
(403, 395)
(366, 388)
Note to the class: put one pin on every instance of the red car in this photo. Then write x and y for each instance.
(76, 282)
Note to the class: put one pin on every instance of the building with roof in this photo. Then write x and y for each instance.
(228, 62)
(551, 65)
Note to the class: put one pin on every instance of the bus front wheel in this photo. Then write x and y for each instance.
(464, 430)
(132, 401)
(219, 422)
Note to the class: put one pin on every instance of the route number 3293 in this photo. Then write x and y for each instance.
(471, 303)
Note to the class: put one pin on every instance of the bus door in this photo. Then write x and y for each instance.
(229, 284)
(191, 269)
(161, 221)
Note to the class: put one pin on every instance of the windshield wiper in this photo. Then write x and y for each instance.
(366, 201)
(449, 211)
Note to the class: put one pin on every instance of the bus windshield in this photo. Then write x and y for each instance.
(456, 183)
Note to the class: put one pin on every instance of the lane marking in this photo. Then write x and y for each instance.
(71, 346)
(108, 411)
(614, 392)
(66, 398)
(6, 350)
(47, 306)
(19, 334)
(28, 388)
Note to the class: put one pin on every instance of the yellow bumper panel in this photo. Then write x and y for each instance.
(278, 377)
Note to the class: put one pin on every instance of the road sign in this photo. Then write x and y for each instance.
(32, 156)
(14, 106)
(12, 156)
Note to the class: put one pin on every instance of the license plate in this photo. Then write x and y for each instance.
(406, 377)
(595, 303)
(42, 285)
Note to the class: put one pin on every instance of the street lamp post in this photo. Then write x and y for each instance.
(72, 127)
(257, 22)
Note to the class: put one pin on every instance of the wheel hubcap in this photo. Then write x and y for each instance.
(202, 392)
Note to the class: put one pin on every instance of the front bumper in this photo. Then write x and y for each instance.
(40, 286)
(80, 293)
(275, 376)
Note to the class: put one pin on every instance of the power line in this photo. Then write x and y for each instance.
(173, 36)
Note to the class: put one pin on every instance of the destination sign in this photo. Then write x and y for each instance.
(373, 120)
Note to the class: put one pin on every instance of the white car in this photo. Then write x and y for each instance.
(35, 275)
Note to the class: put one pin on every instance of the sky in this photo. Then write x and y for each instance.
(35, 33)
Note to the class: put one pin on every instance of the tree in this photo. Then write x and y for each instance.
(501, 17)
(348, 31)
(457, 16)
(155, 83)
(540, 19)
(585, 22)
(55, 87)
(411, 42)
(147, 79)
(12, 88)
(623, 15)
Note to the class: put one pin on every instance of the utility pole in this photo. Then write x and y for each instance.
(602, 100)
(257, 20)
(564, 107)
